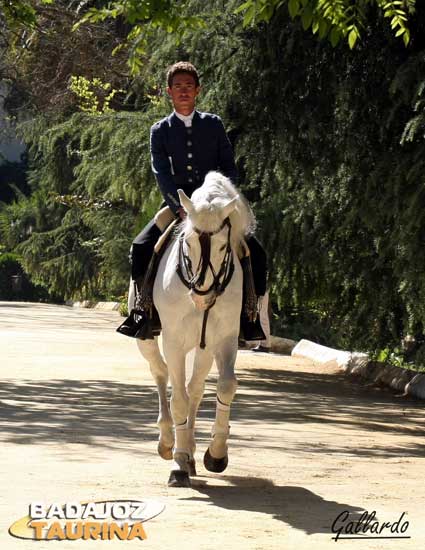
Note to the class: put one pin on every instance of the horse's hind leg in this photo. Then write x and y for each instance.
(216, 458)
(195, 389)
(150, 351)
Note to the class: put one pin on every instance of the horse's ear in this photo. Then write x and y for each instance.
(230, 206)
(185, 201)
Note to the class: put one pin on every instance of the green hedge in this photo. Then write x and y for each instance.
(15, 284)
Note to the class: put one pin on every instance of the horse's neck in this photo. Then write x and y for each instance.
(167, 269)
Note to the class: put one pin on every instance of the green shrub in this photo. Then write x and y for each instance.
(14, 282)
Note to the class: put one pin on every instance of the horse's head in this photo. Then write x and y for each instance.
(205, 249)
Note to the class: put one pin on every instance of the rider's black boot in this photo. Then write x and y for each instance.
(250, 327)
(139, 324)
(251, 330)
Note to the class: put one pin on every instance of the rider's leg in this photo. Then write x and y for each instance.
(141, 255)
(142, 249)
(252, 329)
(259, 265)
(141, 323)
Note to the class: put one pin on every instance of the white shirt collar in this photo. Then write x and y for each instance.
(187, 119)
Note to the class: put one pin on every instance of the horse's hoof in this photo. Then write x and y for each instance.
(192, 467)
(179, 478)
(216, 465)
(165, 452)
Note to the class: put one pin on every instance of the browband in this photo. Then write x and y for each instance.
(210, 233)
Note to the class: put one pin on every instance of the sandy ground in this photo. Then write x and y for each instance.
(77, 423)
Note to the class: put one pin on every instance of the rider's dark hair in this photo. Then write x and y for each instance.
(179, 68)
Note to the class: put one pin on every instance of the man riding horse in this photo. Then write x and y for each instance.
(185, 146)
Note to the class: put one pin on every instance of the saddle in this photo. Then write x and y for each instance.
(163, 218)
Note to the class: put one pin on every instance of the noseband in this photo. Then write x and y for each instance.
(221, 278)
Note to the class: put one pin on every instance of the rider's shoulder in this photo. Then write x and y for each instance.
(209, 117)
(167, 121)
(160, 124)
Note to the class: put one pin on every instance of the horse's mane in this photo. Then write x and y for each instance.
(209, 201)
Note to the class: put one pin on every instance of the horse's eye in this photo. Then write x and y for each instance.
(187, 244)
(223, 247)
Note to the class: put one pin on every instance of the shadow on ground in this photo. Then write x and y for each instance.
(94, 412)
(113, 414)
(296, 506)
(331, 401)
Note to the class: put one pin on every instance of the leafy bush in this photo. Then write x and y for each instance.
(15, 284)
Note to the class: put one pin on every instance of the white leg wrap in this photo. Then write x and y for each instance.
(182, 439)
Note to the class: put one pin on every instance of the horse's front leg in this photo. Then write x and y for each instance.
(150, 351)
(175, 357)
(216, 456)
(201, 367)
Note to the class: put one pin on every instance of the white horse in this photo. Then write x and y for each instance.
(198, 295)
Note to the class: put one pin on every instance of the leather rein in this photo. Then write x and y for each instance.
(221, 278)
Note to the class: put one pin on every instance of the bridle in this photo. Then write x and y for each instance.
(221, 278)
(194, 280)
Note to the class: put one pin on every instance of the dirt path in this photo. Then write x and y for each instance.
(77, 423)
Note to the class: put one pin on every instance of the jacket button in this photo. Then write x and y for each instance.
(190, 155)
(189, 180)
(189, 144)
(189, 167)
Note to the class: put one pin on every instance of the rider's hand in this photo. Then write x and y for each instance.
(181, 212)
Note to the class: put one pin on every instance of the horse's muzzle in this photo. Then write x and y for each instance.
(203, 302)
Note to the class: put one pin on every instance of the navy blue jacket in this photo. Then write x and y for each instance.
(182, 157)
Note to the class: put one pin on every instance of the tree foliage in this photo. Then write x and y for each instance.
(328, 19)
(21, 13)
(41, 60)
(330, 147)
(144, 18)
(74, 231)
(334, 19)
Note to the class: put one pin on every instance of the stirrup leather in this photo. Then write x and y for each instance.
(250, 306)
(144, 298)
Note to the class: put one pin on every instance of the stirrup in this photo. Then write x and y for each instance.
(140, 325)
(251, 331)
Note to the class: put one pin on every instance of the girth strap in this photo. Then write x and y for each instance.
(202, 344)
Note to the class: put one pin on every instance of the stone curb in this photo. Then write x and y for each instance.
(358, 364)
(282, 345)
(106, 306)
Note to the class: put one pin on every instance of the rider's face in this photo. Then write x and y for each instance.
(183, 92)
